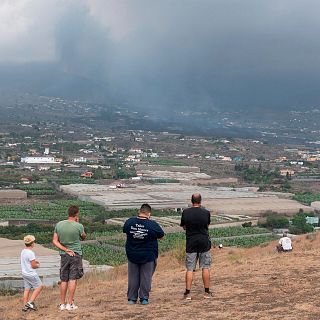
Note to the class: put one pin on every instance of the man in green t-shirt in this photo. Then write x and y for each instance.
(66, 237)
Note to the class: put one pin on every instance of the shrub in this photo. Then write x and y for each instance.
(276, 221)
(300, 225)
(247, 224)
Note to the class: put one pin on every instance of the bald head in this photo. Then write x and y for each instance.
(196, 199)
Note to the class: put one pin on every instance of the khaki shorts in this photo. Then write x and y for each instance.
(31, 281)
(71, 267)
(204, 258)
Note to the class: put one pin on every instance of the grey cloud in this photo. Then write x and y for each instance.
(193, 53)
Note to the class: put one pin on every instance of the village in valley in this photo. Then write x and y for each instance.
(254, 189)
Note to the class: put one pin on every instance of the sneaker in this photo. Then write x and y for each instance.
(131, 302)
(25, 308)
(62, 306)
(30, 305)
(71, 307)
(144, 301)
(208, 295)
(187, 296)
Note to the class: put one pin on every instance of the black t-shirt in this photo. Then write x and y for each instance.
(142, 239)
(196, 221)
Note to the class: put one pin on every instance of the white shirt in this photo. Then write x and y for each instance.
(285, 243)
(27, 256)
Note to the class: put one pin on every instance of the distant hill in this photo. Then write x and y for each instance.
(248, 284)
(48, 79)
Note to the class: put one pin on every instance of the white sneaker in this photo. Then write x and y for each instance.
(62, 307)
(71, 306)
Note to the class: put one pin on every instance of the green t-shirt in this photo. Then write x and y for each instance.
(69, 233)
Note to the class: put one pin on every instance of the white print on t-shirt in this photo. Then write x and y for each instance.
(27, 256)
(139, 232)
(285, 242)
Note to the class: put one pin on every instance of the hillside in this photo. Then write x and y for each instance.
(248, 284)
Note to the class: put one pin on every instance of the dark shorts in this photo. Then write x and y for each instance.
(71, 268)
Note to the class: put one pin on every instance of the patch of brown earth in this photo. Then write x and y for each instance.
(248, 284)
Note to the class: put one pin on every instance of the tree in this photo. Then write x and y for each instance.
(300, 225)
(277, 221)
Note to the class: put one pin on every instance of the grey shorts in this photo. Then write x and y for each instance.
(204, 258)
(71, 267)
(31, 282)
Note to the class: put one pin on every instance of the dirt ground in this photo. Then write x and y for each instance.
(12, 248)
(254, 206)
(248, 284)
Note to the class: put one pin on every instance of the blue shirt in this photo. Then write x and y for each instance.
(142, 239)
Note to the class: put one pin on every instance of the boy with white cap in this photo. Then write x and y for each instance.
(29, 274)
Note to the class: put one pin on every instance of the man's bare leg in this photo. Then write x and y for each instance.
(26, 296)
(189, 277)
(35, 293)
(206, 277)
(63, 291)
(72, 285)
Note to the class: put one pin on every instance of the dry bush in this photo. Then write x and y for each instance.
(179, 252)
(311, 236)
(235, 258)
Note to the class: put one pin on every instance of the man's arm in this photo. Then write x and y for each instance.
(83, 235)
(183, 223)
(55, 241)
(35, 264)
(159, 231)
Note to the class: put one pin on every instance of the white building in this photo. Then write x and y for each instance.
(46, 150)
(80, 160)
(39, 160)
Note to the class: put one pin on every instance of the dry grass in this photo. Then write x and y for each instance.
(248, 284)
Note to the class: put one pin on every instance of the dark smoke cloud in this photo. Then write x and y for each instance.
(204, 54)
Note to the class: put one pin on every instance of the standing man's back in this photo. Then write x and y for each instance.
(66, 237)
(195, 221)
(69, 233)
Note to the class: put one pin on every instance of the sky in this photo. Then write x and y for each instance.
(182, 54)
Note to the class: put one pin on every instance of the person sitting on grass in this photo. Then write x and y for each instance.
(29, 274)
(142, 252)
(285, 244)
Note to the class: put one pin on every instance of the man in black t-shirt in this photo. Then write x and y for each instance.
(142, 252)
(195, 221)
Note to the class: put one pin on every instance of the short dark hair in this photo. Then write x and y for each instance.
(145, 208)
(73, 210)
(196, 198)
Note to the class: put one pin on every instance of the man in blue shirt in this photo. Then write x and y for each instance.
(142, 252)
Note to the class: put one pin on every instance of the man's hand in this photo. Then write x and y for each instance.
(83, 236)
(70, 252)
(56, 242)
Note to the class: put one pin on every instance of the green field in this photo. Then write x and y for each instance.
(57, 210)
(101, 255)
(93, 216)
(52, 210)
(246, 242)
(307, 197)
(235, 231)
(37, 189)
